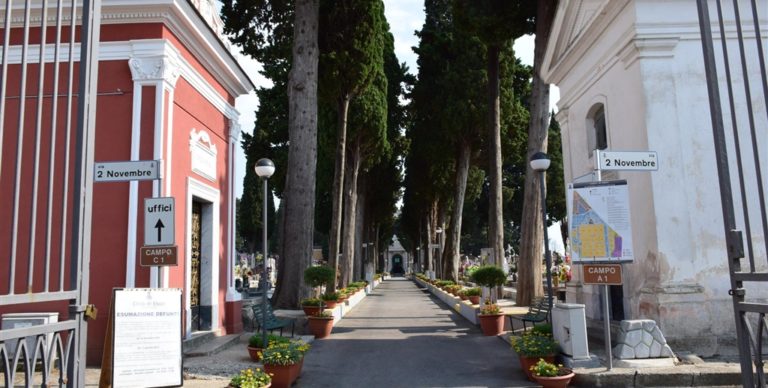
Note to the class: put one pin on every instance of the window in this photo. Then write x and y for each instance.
(597, 135)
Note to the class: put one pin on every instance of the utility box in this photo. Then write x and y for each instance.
(21, 320)
(569, 328)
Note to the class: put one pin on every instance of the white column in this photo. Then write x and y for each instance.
(162, 71)
(234, 137)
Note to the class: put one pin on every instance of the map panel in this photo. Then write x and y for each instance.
(600, 227)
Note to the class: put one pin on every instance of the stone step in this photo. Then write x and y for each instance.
(209, 344)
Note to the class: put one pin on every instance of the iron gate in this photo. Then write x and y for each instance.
(47, 113)
(740, 124)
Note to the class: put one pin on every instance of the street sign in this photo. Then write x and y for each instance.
(602, 274)
(159, 227)
(152, 256)
(627, 160)
(137, 170)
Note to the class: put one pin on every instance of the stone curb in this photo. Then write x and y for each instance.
(702, 375)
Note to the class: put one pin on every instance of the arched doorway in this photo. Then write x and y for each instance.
(397, 265)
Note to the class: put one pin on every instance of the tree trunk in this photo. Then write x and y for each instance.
(495, 209)
(338, 185)
(350, 209)
(428, 233)
(453, 246)
(299, 198)
(360, 237)
(529, 268)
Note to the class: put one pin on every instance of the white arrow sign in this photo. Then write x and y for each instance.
(159, 227)
(627, 160)
(136, 170)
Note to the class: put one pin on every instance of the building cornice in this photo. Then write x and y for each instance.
(179, 16)
(577, 25)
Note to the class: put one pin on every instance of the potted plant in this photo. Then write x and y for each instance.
(489, 276)
(256, 345)
(311, 306)
(533, 345)
(549, 375)
(250, 378)
(330, 299)
(320, 324)
(283, 361)
(473, 294)
(491, 319)
(316, 277)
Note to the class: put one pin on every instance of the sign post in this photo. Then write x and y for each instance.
(159, 226)
(627, 160)
(601, 229)
(158, 256)
(134, 170)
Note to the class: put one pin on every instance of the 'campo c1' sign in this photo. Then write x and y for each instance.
(157, 256)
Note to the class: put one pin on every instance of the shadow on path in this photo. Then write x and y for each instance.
(403, 337)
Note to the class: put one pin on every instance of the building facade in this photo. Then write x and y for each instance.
(632, 78)
(167, 85)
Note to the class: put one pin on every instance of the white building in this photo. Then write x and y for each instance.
(631, 77)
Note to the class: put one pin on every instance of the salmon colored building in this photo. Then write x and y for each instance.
(167, 85)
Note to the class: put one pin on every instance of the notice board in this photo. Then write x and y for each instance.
(146, 337)
(600, 223)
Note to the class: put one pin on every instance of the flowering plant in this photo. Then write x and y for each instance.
(284, 353)
(250, 378)
(490, 308)
(534, 344)
(562, 272)
(547, 369)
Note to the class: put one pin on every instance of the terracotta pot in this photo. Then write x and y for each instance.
(527, 362)
(491, 324)
(463, 297)
(254, 353)
(475, 299)
(330, 304)
(554, 382)
(311, 310)
(283, 375)
(320, 327)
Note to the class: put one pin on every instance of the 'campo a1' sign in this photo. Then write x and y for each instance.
(602, 274)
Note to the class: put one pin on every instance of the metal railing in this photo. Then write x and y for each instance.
(738, 65)
(47, 113)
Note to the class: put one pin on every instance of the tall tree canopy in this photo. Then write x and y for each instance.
(495, 22)
(351, 48)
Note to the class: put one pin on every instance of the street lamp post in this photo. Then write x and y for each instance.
(418, 259)
(540, 163)
(365, 259)
(439, 261)
(264, 169)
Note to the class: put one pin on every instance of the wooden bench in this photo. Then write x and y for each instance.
(269, 320)
(537, 312)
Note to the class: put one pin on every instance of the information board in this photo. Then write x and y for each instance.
(147, 338)
(600, 225)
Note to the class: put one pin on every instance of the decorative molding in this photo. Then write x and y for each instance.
(203, 154)
(234, 130)
(157, 68)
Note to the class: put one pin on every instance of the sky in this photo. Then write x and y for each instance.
(404, 17)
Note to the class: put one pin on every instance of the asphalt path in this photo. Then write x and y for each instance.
(402, 336)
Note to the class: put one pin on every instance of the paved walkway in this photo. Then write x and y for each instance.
(401, 336)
